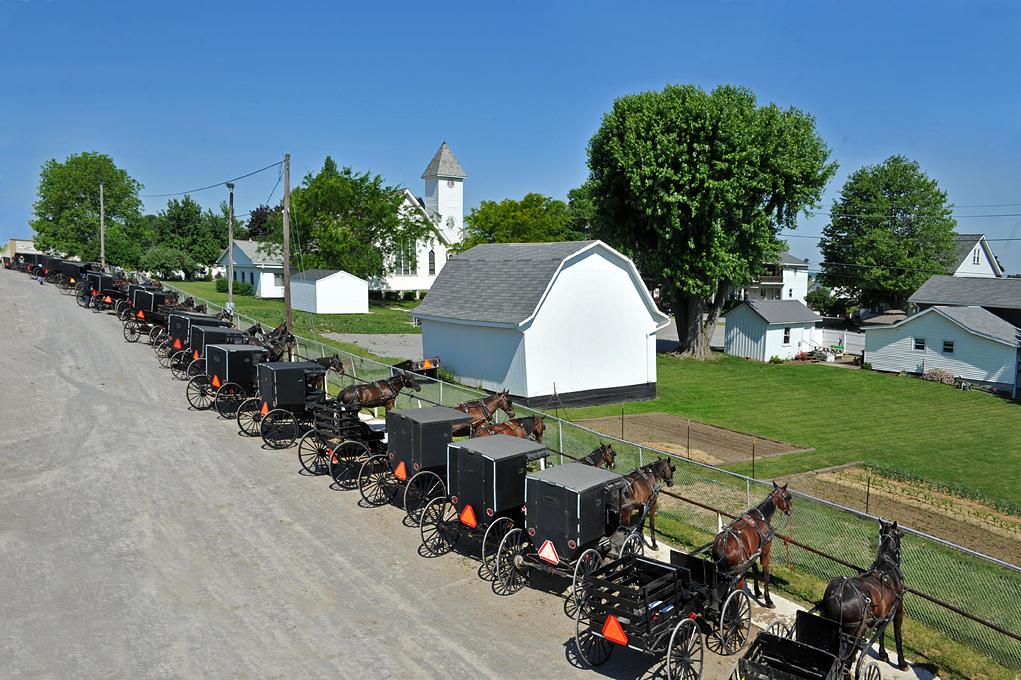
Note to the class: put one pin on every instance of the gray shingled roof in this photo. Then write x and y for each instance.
(444, 164)
(496, 282)
(965, 244)
(981, 321)
(782, 311)
(791, 261)
(965, 290)
(313, 274)
(252, 250)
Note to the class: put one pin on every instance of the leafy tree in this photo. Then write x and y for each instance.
(889, 231)
(258, 222)
(66, 212)
(164, 261)
(341, 219)
(533, 219)
(695, 187)
(823, 301)
(200, 235)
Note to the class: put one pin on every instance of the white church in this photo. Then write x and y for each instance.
(416, 268)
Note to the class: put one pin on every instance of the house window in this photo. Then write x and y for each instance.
(406, 259)
(948, 346)
(251, 278)
(920, 344)
(786, 335)
(235, 274)
(762, 292)
(790, 292)
(976, 257)
(278, 280)
(432, 263)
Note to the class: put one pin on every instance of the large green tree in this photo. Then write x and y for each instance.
(533, 219)
(889, 231)
(66, 212)
(696, 186)
(341, 219)
(200, 235)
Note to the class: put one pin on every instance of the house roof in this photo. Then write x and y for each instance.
(313, 275)
(788, 260)
(444, 164)
(252, 251)
(504, 283)
(961, 291)
(965, 245)
(975, 319)
(782, 311)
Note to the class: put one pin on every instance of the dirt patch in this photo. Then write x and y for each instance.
(963, 521)
(704, 443)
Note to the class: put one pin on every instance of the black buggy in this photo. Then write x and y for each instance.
(485, 495)
(72, 275)
(288, 391)
(572, 523)
(339, 441)
(415, 461)
(179, 334)
(190, 362)
(125, 308)
(149, 311)
(95, 283)
(229, 377)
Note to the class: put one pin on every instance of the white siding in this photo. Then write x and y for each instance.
(795, 284)
(799, 340)
(973, 358)
(982, 269)
(341, 293)
(481, 356)
(745, 334)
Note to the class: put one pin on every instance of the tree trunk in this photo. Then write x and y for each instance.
(696, 320)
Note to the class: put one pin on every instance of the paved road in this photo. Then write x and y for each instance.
(399, 345)
(141, 540)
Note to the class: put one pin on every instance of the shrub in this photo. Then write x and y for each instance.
(775, 360)
(408, 295)
(221, 285)
(240, 287)
(867, 366)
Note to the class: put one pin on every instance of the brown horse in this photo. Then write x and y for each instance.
(643, 488)
(483, 410)
(864, 602)
(380, 393)
(531, 426)
(603, 456)
(746, 542)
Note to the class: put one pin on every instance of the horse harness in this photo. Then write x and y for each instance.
(764, 538)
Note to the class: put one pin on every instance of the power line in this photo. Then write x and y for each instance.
(820, 236)
(212, 186)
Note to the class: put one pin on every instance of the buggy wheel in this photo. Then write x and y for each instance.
(163, 353)
(83, 299)
(313, 453)
(511, 569)
(491, 543)
(421, 489)
(179, 364)
(868, 671)
(376, 481)
(587, 563)
(123, 309)
(199, 393)
(344, 461)
(593, 649)
(633, 545)
(685, 652)
(154, 334)
(249, 418)
(97, 303)
(735, 672)
(228, 399)
(439, 527)
(279, 429)
(197, 367)
(735, 623)
(132, 330)
(779, 629)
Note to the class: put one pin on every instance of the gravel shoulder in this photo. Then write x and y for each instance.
(396, 345)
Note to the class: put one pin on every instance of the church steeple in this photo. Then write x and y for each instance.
(444, 164)
(444, 193)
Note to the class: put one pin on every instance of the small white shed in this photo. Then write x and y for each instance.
(970, 342)
(329, 291)
(763, 329)
(535, 318)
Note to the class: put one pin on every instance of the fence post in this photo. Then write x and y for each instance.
(560, 430)
(747, 493)
(641, 461)
(441, 393)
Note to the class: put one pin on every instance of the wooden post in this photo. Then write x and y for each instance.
(753, 459)
(230, 249)
(688, 446)
(622, 421)
(868, 493)
(287, 241)
(102, 228)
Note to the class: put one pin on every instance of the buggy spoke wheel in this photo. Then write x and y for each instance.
(869, 671)
(685, 652)
(179, 364)
(491, 543)
(376, 481)
(633, 545)
(344, 462)
(736, 672)
(82, 299)
(197, 367)
(587, 563)
(228, 398)
(593, 649)
(199, 394)
(249, 418)
(511, 570)
(163, 354)
(779, 629)
(154, 334)
(97, 303)
(132, 330)
(313, 453)
(735, 623)
(279, 429)
(439, 527)
(421, 489)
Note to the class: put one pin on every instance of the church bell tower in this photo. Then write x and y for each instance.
(444, 193)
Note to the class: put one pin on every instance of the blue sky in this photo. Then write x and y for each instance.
(184, 94)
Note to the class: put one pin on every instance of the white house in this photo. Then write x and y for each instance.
(263, 270)
(785, 279)
(763, 329)
(974, 258)
(970, 342)
(22, 246)
(573, 318)
(329, 291)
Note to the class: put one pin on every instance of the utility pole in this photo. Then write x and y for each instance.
(287, 241)
(230, 250)
(102, 228)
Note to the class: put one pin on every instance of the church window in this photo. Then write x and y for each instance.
(976, 257)
(406, 264)
(432, 263)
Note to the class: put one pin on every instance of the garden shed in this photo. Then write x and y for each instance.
(329, 291)
(573, 318)
(763, 329)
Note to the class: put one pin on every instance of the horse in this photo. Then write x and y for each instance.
(860, 603)
(530, 426)
(380, 393)
(603, 456)
(482, 411)
(643, 488)
(277, 342)
(746, 542)
(333, 362)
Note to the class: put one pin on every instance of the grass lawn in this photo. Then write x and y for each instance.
(965, 440)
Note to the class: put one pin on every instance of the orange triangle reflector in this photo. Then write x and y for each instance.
(548, 552)
(141, 314)
(265, 408)
(108, 299)
(216, 381)
(333, 458)
(177, 343)
(427, 364)
(613, 632)
(195, 355)
(401, 472)
(468, 517)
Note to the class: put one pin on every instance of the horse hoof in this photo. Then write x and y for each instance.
(770, 605)
(903, 666)
(885, 658)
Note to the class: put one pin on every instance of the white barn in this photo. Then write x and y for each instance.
(263, 270)
(972, 343)
(534, 318)
(763, 329)
(329, 291)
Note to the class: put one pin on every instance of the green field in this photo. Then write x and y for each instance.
(965, 440)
